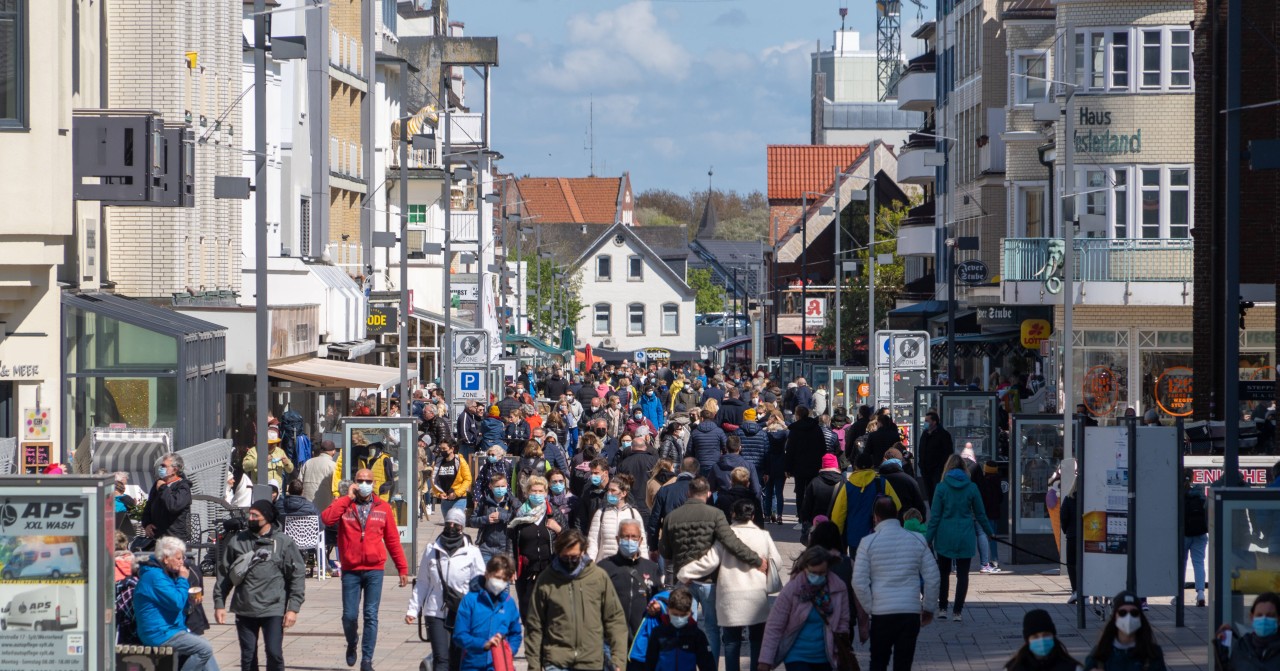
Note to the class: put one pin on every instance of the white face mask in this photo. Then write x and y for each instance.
(1128, 623)
(495, 585)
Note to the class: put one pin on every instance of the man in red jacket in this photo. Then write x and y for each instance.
(366, 533)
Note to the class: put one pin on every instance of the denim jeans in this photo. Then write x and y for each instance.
(354, 584)
(984, 545)
(199, 652)
(705, 596)
(1195, 547)
(731, 640)
(443, 655)
(571, 442)
(774, 490)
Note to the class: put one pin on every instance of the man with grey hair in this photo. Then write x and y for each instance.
(635, 577)
(168, 510)
(159, 606)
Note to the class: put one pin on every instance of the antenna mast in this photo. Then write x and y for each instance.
(591, 133)
(844, 13)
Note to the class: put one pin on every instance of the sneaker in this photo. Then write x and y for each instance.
(956, 617)
(942, 614)
(431, 510)
(351, 654)
(986, 568)
(1200, 602)
(995, 568)
(798, 526)
(1074, 598)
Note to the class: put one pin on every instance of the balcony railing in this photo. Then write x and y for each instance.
(418, 159)
(1100, 260)
(467, 128)
(346, 159)
(344, 53)
(466, 226)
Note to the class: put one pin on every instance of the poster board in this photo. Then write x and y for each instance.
(1158, 532)
(1104, 503)
(36, 455)
(389, 447)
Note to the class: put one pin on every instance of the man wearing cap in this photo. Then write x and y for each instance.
(316, 475)
(269, 595)
(366, 534)
(278, 463)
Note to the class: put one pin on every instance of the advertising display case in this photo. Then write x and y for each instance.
(1244, 543)
(971, 417)
(388, 446)
(56, 536)
(1037, 452)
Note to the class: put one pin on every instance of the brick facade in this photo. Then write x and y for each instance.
(1260, 191)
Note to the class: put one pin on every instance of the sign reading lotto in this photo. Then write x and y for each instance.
(381, 320)
(1034, 332)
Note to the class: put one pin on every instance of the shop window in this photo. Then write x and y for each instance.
(1103, 379)
(13, 64)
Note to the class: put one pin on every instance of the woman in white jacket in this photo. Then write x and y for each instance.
(452, 560)
(742, 591)
(602, 541)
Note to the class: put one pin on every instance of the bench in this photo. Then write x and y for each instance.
(146, 658)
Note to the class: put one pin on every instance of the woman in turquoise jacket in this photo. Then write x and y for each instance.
(957, 504)
(487, 616)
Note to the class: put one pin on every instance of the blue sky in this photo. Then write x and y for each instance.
(678, 85)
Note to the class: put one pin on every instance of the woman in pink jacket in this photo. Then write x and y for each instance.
(810, 616)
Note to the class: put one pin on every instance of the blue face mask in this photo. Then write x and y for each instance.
(537, 499)
(611, 499)
(1041, 647)
(626, 443)
(816, 579)
(595, 480)
(499, 492)
(493, 458)
(679, 621)
(629, 546)
(1264, 625)
(894, 461)
(162, 472)
(557, 488)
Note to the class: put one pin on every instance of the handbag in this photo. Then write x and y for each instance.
(503, 659)
(773, 581)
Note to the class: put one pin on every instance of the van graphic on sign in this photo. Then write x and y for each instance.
(51, 608)
(53, 560)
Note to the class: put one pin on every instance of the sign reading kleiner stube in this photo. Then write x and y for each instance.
(1104, 141)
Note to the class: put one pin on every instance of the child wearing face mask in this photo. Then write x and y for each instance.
(488, 618)
(492, 513)
(1041, 650)
(679, 643)
(1127, 642)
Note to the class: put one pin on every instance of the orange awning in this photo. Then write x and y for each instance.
(807, 342)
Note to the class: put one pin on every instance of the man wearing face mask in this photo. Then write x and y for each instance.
(593, 498)
(271, 587)
(574, 608)
(635, 578)
(905, 486)
(168, 508)
(651, 408)
(366, 534)
(935, 445)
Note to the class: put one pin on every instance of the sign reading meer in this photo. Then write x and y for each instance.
(1105, 142)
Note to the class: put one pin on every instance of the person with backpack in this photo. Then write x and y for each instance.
(445, 572)
(491, 514)
(821, 494)
(518, 432)
(957, 504)
(854, 507)
(1195, 534)
(602, 539)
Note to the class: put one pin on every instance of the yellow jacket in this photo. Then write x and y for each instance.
(379, 467)
(861, 480)
(277, 465)
(671, 395)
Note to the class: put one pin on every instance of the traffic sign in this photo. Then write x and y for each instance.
(468, 385)
(470, 347)
(640, 355)
(910, 351)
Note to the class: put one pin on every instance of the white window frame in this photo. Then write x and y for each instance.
(1022, 83)
(1128, 198)
(674, 311)
(607, 276)
(1132, 64)
(631, 309)
(631, 265)
(1020, 189)
(597, 310)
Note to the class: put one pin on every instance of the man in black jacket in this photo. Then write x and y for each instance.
(935, 445)
(856, 429)
(883, 438)
(434, 425)
(635, 578)
(803, 394)
(587, 391)
(671, 496)
(555, 386)
(805, 446)
(508, 403)
(469, 434)
(820, 494)
(168, 510)
(906, 486)
(731, 409)
(638, 462)
(592, 499)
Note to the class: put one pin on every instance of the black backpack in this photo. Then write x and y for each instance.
(1195, 518)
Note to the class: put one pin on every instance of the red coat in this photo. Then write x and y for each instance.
(365, 548)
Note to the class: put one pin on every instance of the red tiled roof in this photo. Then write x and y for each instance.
(794, 168)
(576, 200)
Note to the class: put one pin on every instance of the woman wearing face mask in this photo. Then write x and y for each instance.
(445, 572)
(580, 465)
(773, 470)
(1127, 642)
(602, 538)
(1041, 650)
(573, 609)
(533, 532)
(558, 494)
(488, 617)
(652, 408)
(809, 623)
(636, 420)
(451, 479)
(1257, 649)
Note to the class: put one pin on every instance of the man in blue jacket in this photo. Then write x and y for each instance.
(707, 443)
(488, 616)
(160, 603)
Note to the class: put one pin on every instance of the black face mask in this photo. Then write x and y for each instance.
(569, 566)
(255, 525)
(451, 531)
(600, 432)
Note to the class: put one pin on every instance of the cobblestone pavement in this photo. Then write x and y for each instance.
(988, 635)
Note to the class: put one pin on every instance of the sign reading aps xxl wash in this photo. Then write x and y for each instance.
(23, 516)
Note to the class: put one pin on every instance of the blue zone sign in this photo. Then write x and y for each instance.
(468, 385)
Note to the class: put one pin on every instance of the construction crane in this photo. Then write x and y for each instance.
(889, 43)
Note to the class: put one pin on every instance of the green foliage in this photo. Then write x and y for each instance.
(710, 295)
(552, 304)
(651, 216)
(740, 216)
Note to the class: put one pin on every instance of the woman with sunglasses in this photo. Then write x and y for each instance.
(1258, 649)
(1127, 642)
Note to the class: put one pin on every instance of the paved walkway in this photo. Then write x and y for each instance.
(988, 635)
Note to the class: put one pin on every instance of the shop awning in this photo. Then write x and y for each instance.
(530, 341)
(732, 342)
(808, 342)
(330, 373)
(976, 338)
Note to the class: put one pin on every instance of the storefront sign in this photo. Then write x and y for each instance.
(1100, 390)
(18, 370)
(1252, 477)
(1104, 141)
(35, 456)
(1034, 332)
(35, 423)
(996, 315)
(381, 321)
(465, 292)
(972, 271)
(1257, 390)
(1173, 391)
(815, 312)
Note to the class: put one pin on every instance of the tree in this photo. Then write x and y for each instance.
(710, 295)
(740, 216)
(652, 216)
(889, 280)
(552, 304)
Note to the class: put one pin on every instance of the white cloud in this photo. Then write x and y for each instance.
(614, 49)
(525, 39)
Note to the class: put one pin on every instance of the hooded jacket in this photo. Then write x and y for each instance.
(481, 616)
(653, 410)
(272, 587)
(555, 387)
(906, 487)
(602, 538)
(570, 614)
(790, 612)
(820, 495)
(726, 498)
(933, 448)
(881, 440)
(687, 396)
(159, 603)
(492, 535)
(806, 444)
(775, 462)
(638, 464)
(707, 443)
(671, 496)
(724, 467)
(731, 410)
(493, 432)
(365, 546)
(957, 504)
(755, 443)
(458, 570)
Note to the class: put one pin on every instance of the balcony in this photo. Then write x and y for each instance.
(418, 159)
(1106, 271)
(344, 53)
(466, 129)
(346, 164)
(917, 90)
(918, 160)
(465, 226)
(917, 233)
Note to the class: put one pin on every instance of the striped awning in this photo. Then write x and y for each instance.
(133, 451)
(427, 117)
